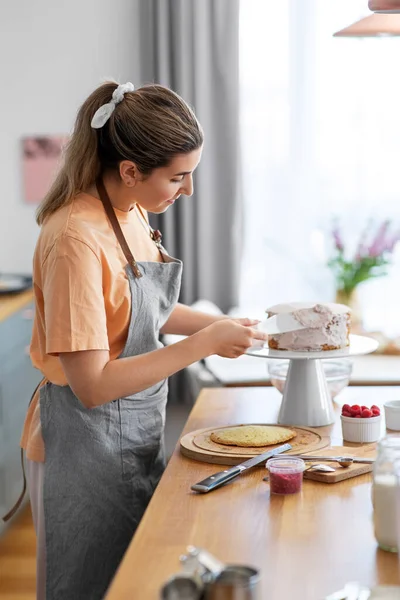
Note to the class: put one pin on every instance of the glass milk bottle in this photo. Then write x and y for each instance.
(386, 493)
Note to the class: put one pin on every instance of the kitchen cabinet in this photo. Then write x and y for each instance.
(18, 379)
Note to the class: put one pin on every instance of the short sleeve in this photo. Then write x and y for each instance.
(74, 309)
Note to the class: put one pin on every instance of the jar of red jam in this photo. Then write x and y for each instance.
(285, 475)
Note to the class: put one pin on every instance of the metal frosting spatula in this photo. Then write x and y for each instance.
(281, 324)
(276, 325)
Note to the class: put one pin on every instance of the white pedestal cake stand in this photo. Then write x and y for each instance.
(306, 399)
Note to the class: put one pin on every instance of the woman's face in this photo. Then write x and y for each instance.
(158, 191)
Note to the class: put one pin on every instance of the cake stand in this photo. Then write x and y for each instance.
(306, 399)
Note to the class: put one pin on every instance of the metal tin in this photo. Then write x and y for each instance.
(235, 582)
(182, 587)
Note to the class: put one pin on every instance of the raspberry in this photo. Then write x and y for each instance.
(366, 414)
(346, 407)
(356, 408)
(346, 413)
(376, 412)
(364, 408)
(376, 407)
(355, 412)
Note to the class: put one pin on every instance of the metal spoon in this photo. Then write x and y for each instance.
(344, 461)
(318, 468)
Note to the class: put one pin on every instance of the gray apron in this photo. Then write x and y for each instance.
(103, 464)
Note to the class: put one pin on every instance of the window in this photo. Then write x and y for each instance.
(320, 124)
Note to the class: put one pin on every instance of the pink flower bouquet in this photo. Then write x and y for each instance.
(371, 259)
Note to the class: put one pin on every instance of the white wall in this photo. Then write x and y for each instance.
(52, 55)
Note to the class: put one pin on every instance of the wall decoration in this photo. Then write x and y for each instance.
(41, 159)
(384, 6)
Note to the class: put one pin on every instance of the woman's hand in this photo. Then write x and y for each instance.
(231, 338)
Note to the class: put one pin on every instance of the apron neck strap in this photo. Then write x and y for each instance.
(155, 234)
(112, 217)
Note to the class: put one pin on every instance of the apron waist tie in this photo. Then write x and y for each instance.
(18, 503)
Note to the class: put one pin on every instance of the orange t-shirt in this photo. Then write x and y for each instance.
(82, 295)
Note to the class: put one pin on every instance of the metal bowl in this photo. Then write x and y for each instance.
(337, 373)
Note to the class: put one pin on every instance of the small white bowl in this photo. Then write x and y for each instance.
(392, 414)
(361, 430)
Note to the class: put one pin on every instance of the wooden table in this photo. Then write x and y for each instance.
(306, 545)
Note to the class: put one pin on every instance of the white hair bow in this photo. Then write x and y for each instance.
(105, 111)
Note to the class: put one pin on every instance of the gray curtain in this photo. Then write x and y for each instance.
(191, 46)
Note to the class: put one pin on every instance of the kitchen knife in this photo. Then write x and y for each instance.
(218, 479)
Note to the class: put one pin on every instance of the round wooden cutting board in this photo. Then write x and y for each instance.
(199, 446)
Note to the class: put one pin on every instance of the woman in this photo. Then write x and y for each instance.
(104, 290)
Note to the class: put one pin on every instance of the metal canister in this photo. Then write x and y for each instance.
(235, 582)
(182, 587)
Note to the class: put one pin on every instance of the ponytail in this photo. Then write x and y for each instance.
(81, 163)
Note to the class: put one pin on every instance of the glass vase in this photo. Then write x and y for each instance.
(350, 299)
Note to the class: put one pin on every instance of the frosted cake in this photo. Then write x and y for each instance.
(327, 327)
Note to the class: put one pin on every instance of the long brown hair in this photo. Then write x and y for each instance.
(149, 127)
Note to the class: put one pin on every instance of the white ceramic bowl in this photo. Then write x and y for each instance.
(361, 430)
(392, 414)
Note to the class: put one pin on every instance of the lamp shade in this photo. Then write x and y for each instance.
(384, 6)
(372, 26)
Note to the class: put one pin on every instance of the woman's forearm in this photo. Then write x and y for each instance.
(96, 380)
(186, 321)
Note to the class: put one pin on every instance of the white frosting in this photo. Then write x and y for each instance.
(326, 325)
(290, 307)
